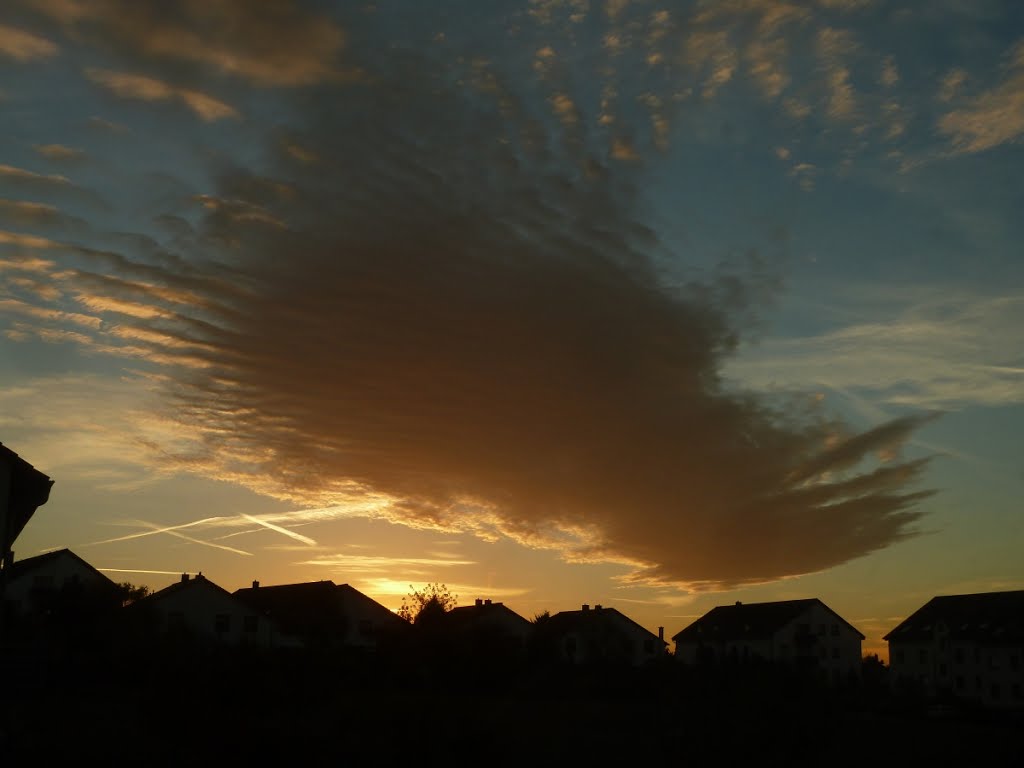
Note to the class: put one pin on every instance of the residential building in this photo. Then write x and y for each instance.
(194, 610)
(23, 489)
(322, 614)
(57, 588)
(599, 635)
(971, 646)
(488, 628)
(804, 632)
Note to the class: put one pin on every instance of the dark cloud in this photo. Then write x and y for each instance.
(449, 298)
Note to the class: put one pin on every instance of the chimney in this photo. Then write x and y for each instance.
(479, 602)
(255, 584)
(586, 607)
(738, 603)
(661, 634)
(487, 602)
(184, 577)
(597, 607)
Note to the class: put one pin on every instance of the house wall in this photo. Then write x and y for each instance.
(367, 621)
(51, 575)
(819, 635)
(988, 674)
(735, 650)
(211, 615)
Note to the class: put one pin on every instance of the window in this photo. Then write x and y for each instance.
(898, 656)
(821, 629)
(221, 623)
(922, 655)
(365, 627)
(250, 623)
(958, 655)
(959, 682)
(1014, 663)
(942, 670)
(835, 653)
(175, 619)
(996, 692)
(648, 645)
(1015, 690)
(835, 630)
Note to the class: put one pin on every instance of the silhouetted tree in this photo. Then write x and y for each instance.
(427, 604)
(131, 592)
(541, 617)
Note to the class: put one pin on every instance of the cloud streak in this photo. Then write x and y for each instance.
(143, 88)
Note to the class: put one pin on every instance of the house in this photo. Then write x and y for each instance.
(488, 628)
(322, 614)
(23, 489)
(194, 610)
(57, 587)
(598, 635)
(789, 631)
(971, 646)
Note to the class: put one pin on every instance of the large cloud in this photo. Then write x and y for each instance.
(441, 295)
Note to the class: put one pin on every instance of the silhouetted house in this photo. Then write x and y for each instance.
(23, 489)
(322, 614)
(57, 587)
(488, 628)
(598, 635)
(968, 645)
(805, 632)
(196, 611)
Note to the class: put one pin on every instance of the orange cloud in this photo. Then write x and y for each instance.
(23, 46)
(140, 87)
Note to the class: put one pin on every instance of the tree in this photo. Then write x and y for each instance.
(423, 605)
(130, 592)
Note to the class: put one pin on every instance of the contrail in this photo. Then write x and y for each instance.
(279, 529)
(156, 529)
(172, 532)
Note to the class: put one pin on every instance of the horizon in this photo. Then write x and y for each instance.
(658, 305)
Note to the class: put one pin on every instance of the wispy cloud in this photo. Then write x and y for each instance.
(59, 153)
(383, 564)
(947, 350)
(143, 88)
(994, 117)
(23, 46)
(269, 44)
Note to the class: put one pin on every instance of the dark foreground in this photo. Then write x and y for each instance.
(212, 710)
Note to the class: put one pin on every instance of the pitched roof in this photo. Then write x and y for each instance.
(750, 620)
(29, 490)
(985, 617)
(466, 615)
(307, 609)
(313, 608)
(582, 620)
(178, 586)
(21, 567)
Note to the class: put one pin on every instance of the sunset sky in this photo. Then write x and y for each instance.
(659, 305)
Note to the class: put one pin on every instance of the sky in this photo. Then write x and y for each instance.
(657, 305)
